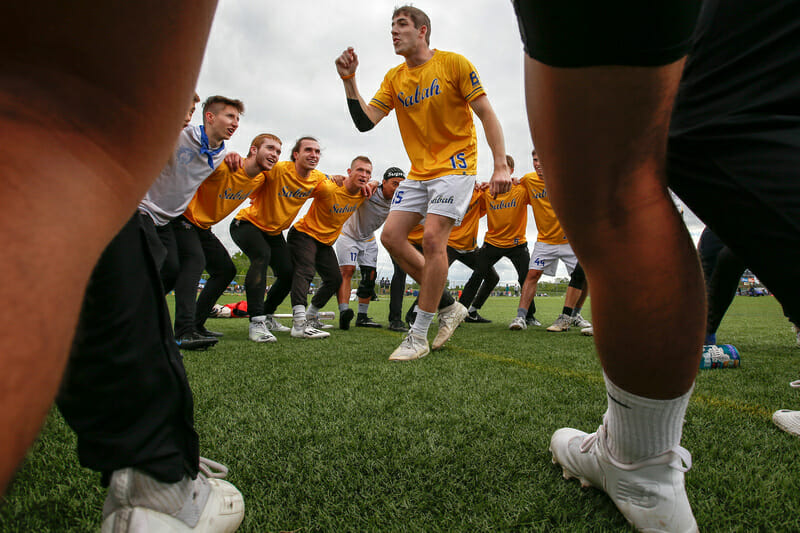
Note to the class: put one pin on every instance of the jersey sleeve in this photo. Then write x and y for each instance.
(469, 82)
(384, 98)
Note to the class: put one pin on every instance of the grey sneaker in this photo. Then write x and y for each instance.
(562, 323)
(449, 319)
(650, 493)
(137, 502)
(579, 322)
(259, 332)
(412, 347)
(307, 331)
(518, 324)
(315, 322)
(532, 321)
(275, 326)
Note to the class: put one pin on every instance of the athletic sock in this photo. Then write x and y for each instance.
(343, 307)
(422, 323)
(260, 318)
(299, 315)
(313, 311)
(521, 312)
(576, 311)
(446, 300)
(567, 311)
(472, 309)
(639, 427)
(362, 308)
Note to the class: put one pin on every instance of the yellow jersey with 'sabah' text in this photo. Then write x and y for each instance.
(332, 206)
(465, 236)
(433, 113)
(221, 193)
(273, 208)
(547, 224)
(507, 217)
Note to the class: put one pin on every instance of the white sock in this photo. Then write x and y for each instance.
(639, 427)
(362, 308)
(299, 315)
(471, 309)
(422, 323)
(312, 311)
(260, 318)
(343, 307)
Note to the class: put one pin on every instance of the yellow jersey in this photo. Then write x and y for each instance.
(433, 113)
(331, 207)
(221, 193)
(507, 217)
(547, 224)
(465, 236)
(279, 199)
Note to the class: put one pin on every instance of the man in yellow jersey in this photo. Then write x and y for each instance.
(311, 245)
(258, 231)
(434, 93)
(551, 246)
(199, 249)
(507, 220)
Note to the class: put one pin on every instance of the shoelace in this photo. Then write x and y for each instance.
(678, 458)
(213, 469)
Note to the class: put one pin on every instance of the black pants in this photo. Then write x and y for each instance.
(310, 255)
(263, 250)
(170, 264)
(477, 289)
(125, 391)
(396, 298)
(519, 256)
(198, 249)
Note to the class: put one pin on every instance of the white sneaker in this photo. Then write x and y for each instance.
(650, 493)
(579, 322)
(412, 347)
(517, 324)
(561, 324)
(449, 319)
(316, 323)
(786, 419)
(589, 332)
(274, 325)
(138, 503)
(259, 332)
(305, 331)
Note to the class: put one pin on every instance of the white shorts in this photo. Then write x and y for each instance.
(352, 252)
(545, 258)
(447, 196)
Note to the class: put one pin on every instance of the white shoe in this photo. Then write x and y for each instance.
(589, 332)
(786, 419)
(579, 322)
(649, 493)
(412, 347)
(518, 324)
(305, 331)
(138, 503)
(449, 319)
(259, 332)
(561, 324)
(275, 326)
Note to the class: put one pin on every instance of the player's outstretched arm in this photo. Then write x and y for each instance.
(364, 116)
(500, 181)
(84, 130)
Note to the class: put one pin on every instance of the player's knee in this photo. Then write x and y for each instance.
(533, 276)
(578, 279)
(367, 283)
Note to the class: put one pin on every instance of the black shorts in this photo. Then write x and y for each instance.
(575, 33)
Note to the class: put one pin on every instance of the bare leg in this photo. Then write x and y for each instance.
(529, 288)
(347, 277)
(624, 212)
(104, 145)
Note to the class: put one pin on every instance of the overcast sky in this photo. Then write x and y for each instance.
(278, 57)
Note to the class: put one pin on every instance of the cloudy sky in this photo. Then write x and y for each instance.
(278, 57)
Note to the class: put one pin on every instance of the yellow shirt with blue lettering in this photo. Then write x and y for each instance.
(331, 207)
(547, 224)
(221, 193)
(507, 217)
(279, 199)
(465, 236)
(433, 113)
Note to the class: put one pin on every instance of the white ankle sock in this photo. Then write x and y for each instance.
(421, 323)
(471, 309)
(312, 311)
(362, 308)
(299, 315)
(639, 427)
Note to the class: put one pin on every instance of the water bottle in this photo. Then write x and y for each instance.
(719, 356)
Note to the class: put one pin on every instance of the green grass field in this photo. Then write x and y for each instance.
(327, 435)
